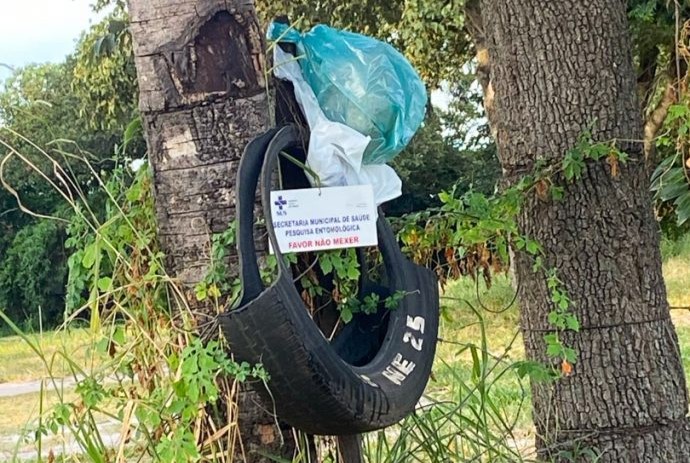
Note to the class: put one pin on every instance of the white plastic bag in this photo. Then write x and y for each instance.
(335, 150)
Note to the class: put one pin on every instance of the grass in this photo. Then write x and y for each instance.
(18, 422)
(455, 363)
(460, 327)
(677, 277)
(460, 322)
(675, 248)
(469, 373)
(20, 411)
(18, 362)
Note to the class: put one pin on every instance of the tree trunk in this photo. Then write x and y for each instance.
(558, 69)
(203, 97)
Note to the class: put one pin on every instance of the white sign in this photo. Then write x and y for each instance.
(316, 219)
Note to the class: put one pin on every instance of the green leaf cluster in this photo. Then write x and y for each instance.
(671, 178)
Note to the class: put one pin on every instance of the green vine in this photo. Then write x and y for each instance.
(217, 282)
(471, 234)
(587, 149)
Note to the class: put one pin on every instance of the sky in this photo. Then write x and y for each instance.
(38, 31)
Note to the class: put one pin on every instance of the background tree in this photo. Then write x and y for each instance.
(559, 70)
(445, 42)
(437, 160)
(80, 107)
(40, 113)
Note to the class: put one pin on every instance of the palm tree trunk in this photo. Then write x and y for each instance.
(203, 97)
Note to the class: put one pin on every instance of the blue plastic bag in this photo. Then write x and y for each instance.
(360, 82)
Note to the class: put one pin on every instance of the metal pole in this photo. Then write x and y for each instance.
(350, 448)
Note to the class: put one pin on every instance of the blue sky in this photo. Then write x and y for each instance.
(37, 31)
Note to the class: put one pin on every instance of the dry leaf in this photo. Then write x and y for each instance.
(613, 162)
(542, 189)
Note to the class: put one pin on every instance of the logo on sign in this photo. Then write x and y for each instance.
(280, 202)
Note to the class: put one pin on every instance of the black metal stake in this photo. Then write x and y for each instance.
(350, 448)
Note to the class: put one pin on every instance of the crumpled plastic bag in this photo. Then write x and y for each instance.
(361, 82)
(335, 150)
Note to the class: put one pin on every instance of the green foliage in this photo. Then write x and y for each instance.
(37, 102)
(200, 368)
(162, 382)
(562, 319)
(217, 282)
(369, 304)
(104, 76)
(45, 120)
(661, 56)
(99, 250)
(40, 103)
(671, 185)
(677, 247)
(470, 233)
(671, 179)
(652, 25)
(587, 149)
(535, 371)
(433, 163)
(30, 284)
(333, 276)
(429, 33)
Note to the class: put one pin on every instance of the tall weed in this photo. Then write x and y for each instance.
(165, 387)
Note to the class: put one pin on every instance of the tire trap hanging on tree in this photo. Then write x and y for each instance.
(372, 374)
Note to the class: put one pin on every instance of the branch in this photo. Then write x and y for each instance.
(657, 117)
(475, 28)
(645, 80)
(477, 31)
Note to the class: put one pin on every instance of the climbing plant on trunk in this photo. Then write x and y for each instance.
(203, 97)
(561, 73)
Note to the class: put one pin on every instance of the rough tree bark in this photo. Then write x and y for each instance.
(200, 66)
(557, 69)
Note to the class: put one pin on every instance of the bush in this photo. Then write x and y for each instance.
(675, 247)
(32, 274)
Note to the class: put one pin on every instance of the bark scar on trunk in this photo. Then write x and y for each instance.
(220, 55)
(209, 64)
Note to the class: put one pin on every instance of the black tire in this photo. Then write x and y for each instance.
(314, 389)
